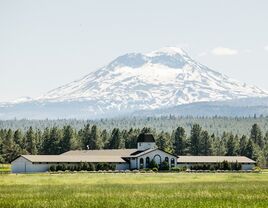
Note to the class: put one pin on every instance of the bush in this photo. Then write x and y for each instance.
(63, 167)
(153, 164)
(105, 166)
(155, 169)
(257, 169)
(58, 168)
(164, 166)
(91, 167)
(52, 168)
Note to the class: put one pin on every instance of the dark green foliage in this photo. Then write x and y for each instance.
(256, 135)
(231, 146)
(180, 141)
(52, 168)
(115, 141)
(195, 139)
(205, 144)
(153, 164)
(68, 140)
(249, 151)
(56, 140)
(30, 141)
(105, 166)
(220, 166)
(164, 166)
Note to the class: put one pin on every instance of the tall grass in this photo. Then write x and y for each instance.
(5, 168)
(134, 190)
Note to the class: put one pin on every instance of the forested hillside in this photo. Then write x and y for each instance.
(177, 139)
(214, 125)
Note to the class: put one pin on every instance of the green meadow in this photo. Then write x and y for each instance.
(134, 190)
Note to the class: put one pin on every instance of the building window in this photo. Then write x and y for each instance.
(141, 163)
(147, 162)
(172, 162)
(166, 159)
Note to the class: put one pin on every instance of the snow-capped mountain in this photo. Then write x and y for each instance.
(163, 78)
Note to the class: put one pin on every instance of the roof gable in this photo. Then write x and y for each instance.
(151, 150)
(145, 137)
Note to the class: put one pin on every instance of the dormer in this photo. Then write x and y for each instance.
(146, 141)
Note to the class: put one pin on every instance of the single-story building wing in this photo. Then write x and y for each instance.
(122, 159)
(189, 161)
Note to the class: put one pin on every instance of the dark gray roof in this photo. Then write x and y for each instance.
(145, 137)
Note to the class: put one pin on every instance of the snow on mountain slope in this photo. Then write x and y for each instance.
(162, 78)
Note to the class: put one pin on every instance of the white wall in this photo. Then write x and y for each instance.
(21, 165)
(146, 145)
(162, 155)
(133, 163)
(122, 166)
(248, 166)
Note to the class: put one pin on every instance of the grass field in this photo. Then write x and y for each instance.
(134, 190)
(5, 168)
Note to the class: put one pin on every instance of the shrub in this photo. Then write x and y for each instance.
(91, 167)
(58, 168)
(63, 167)
(226, 165)
(164, 166)
(153, 164)
(105, 166)
(155, 169)
(52, 168)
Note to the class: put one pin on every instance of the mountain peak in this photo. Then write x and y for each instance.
(170, 51)
(163, 78)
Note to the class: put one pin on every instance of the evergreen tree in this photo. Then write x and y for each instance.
(10, 150)
(243, 145)
(68, 140)
(205, 144)
(180, 141)
(18, 138)
(195, 139)
(104, 138)
(131, 140)
(161, 141)
(249, 151)
(51, 142)
(231, 146)
(219, 146)
(256, 135)
(86, 139)
(115, 141)
(30, 142)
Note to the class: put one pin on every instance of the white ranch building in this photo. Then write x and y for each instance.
(124, 159)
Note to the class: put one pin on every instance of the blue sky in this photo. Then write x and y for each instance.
(44, 44)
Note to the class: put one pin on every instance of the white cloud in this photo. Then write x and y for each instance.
(266, 48)
(221, 51)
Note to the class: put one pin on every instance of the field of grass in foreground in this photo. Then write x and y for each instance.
(5, 168)
(134, 190)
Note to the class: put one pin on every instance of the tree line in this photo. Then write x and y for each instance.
(55, 140)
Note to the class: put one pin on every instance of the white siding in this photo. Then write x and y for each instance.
(146, 145)
(248, 166)
(133, 163)
(122, 166)
(157, 153)
(21, 165)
